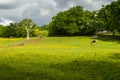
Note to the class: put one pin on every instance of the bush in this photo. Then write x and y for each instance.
(43, 33)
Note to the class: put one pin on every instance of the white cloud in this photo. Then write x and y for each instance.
(6, 1)
(5, 22)
(44, 12)
(89, 0)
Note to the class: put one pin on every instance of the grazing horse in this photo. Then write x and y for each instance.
(93, 41)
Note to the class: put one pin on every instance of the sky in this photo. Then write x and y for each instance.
(41, 11)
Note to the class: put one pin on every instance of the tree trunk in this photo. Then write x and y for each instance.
(28, 36)
(113, 32)
(107, 32)
(27, 32)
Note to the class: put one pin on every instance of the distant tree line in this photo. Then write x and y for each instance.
(25, 28)
(77, 21)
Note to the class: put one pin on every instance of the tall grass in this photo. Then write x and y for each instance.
(59, 58)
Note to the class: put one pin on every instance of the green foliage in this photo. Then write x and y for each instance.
(35, 31)
(89, 24)
(43, 33)
(27, 24)
(20, 31)
(44, 27)
(110, 17)
(2, 29)
(10, 30)
(65, 22)
(13, 30)
(74, 21)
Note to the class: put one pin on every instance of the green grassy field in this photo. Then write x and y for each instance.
(59, 58)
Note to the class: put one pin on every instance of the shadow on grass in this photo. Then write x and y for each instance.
(110, 38)
(89, 70)
(8, 73)
(74, 70)
(115, 56)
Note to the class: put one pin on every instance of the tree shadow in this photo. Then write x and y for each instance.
(73, 70)
(89, 70)
(109, 38)
(9, 73)
(115, 56)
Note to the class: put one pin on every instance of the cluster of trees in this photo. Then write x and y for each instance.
(24, 28)
(77, 21)
(74, 21)
(109, 16)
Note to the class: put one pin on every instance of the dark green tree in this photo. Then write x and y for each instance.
(66, 23)
(10, 30)
(44, 27)
(2, 30)
(89, 23)
(74, 21)
(110, 17)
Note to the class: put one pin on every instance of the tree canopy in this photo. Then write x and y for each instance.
(74, 21)
(110, 16)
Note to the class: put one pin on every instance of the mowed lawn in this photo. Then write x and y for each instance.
(59, 58)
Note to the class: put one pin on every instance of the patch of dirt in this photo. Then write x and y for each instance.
(30, 41)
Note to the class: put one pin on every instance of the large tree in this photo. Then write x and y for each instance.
(89, 23)
(74, 21)
(27, 24)
(110, 16)
(66, 23)
(10, 30)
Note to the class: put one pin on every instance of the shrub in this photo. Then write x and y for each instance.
(43, 33)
